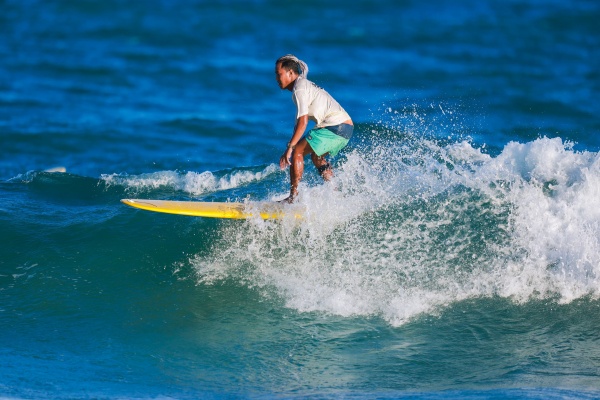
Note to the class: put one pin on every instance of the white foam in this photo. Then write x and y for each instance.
(194, 183)
(402, 231)
(556, 221)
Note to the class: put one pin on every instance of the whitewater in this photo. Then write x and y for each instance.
(412, 226)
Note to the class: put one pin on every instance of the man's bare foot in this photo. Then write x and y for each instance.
(288, 200)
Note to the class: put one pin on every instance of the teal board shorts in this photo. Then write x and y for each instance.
(323, 140)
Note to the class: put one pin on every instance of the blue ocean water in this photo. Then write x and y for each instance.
(456, 253)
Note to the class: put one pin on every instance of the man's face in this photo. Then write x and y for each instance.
(284, 77)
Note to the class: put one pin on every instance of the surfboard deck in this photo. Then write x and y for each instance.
(266, 210)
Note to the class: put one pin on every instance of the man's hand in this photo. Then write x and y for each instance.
(286, 159)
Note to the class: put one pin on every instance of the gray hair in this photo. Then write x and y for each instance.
(290, 61)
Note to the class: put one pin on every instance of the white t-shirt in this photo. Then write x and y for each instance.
(317, 103)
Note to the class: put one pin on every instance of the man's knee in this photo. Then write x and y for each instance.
(324, 169)
(297, 154)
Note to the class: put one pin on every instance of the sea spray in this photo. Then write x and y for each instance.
(399, 233)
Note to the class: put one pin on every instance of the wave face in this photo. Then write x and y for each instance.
(424, 247)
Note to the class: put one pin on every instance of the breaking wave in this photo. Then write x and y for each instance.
(415, 225)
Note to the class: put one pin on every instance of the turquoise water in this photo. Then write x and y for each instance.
(456, 254)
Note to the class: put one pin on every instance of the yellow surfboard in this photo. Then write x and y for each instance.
(266, 210)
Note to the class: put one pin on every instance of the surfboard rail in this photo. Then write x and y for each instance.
(229, 210)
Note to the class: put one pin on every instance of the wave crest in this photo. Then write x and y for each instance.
(193, 183)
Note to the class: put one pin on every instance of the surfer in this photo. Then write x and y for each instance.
(331, 133)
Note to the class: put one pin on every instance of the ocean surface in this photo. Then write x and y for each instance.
(456, 253)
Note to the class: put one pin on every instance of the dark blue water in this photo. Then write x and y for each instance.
(456, 254)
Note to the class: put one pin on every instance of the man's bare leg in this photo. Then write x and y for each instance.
(297, 167)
